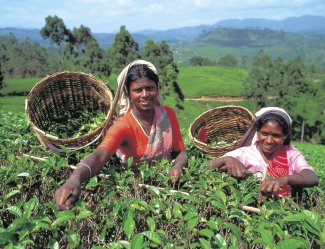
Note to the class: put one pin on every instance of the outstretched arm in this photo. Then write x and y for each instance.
(232, 166)
(69, 192)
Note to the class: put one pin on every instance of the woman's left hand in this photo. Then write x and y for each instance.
(175, 173)
(270, 186)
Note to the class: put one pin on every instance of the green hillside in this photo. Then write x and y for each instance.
(211, 81)
(245, 43)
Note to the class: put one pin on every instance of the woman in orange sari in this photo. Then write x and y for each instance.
(145, 131)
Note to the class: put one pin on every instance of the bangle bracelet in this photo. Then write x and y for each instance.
(83, 164)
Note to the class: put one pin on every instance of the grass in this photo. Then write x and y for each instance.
(12, 103)
(19, 84)
(314, 154)
(211, 81)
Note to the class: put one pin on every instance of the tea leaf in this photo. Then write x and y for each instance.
(129, 226)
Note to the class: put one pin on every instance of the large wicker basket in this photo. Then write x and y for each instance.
(63, 92)
(226, 123)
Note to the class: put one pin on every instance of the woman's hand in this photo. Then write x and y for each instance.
(68, 193)
(175, 173)
(229, 164)
(235, 167)
(271, 186)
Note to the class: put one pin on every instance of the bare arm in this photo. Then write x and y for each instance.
(69, 192)
(96, 161)
(232, 165)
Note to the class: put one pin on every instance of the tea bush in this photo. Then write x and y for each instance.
(119, 210)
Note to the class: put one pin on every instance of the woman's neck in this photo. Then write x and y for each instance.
(266, 156)
(145, 117)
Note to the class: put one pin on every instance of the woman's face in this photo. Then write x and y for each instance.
(270, 137)
(143, 93)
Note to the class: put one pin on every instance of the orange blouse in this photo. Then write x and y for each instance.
(127, 135)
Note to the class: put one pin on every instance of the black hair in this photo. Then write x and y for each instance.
(137, 72)
(283, 123)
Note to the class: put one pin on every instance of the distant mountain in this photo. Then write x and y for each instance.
(22, 34)
(179, 36)
(306, 23)
(244, 44)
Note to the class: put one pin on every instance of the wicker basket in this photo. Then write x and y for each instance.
(63, 92)
(226, 123)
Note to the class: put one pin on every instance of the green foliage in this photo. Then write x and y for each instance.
(78, 47)
(25, 59)
(76, 124)
(287, 85)
(123, 50)
(244, 44)
(228, 61)
(197, 60)
(55, 30)
(1, 78)
(12, 103)
(118, 210)
(84, 51)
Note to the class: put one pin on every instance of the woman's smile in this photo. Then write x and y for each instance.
(270, 138)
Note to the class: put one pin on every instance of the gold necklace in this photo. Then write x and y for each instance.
(146, 126)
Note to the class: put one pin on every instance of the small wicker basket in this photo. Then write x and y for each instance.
(226, 123)
(63, 92)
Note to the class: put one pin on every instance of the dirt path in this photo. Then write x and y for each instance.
(224, 99)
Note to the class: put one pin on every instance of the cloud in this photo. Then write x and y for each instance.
(105, 15)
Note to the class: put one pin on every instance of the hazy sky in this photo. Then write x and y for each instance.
(109, 15)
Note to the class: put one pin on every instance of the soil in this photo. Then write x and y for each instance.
(224, 99)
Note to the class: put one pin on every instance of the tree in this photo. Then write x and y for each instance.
(123, 50)
(77, 45)
(26, 58)
(93, 59)
(200, 61)
(1, 78)
(57, 32)
(258, 82)
(228, 61)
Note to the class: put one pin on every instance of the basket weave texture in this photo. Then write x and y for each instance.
(225, 123)
(63, 92)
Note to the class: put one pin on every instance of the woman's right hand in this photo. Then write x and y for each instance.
(68, 193)
(235, 167)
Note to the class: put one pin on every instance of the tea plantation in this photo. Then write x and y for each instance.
(117, 210)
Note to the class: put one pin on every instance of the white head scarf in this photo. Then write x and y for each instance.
(252, 130)
(124, 102)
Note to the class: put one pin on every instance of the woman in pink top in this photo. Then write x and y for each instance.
(270, 156)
